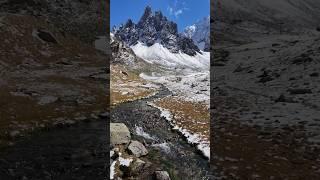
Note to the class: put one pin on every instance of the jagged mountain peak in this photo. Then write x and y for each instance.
(156, 28)
(147, 14)
(199, 32)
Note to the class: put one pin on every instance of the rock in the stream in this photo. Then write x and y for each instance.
(137, 149)
(119, 134)
(162, 175)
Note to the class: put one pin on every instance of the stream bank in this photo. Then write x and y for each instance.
(168, 150)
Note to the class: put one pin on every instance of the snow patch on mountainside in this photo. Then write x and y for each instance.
(157, 54)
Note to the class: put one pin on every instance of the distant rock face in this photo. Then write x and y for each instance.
(153, 28)
(200, 33)
(122, 54)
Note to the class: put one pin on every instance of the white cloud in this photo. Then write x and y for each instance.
(170, 9)
(178, 12)
(177, 8)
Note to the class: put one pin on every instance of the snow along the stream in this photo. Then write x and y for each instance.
(192, 138)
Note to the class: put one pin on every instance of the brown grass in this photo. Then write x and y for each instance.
(127, 87)
(193, 116)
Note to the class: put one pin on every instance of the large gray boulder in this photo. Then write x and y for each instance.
(162, 175)
(119, 134)
(137, 149)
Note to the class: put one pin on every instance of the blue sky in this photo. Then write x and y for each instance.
(183, 12)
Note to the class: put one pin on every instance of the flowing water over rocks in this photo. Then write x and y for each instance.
(75, 152)
(167, 149)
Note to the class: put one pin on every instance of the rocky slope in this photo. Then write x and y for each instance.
(265, 103)
(125, 66)
(52, 77)
(124, 55)
(47, 77)
(155, 28)
(234, 19)
(85, 19)
(290, 12)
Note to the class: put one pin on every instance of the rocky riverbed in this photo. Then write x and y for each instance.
(168, 151)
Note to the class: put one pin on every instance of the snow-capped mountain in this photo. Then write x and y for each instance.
(200, 33)
(156, 54)
(155, 28)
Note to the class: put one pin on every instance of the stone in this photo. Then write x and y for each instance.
(300, 91)
(14, 133)
(162, 175)
(104, 115)
(315, 74)
(137, 167)
(303, 58)
(94, 116)
(119, 134)
(47, 100)
(46, 36)
(70, 122)
(283, 98)
(137, 149)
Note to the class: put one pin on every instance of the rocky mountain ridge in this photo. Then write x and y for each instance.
(155, 28)
(200, 33)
